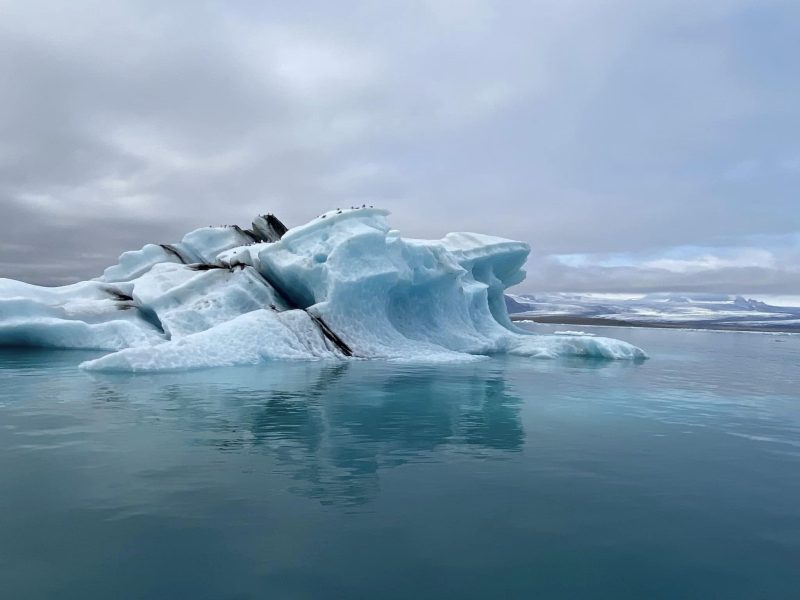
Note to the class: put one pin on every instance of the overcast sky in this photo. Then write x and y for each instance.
(636, 145)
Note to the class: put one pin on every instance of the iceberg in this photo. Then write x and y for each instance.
(343, 286)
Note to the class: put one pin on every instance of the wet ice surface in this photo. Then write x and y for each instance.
(676, 477)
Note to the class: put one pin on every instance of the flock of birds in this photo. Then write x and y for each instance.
(339, 210)
(322, 216)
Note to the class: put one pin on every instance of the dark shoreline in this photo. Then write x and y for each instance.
(605, 322)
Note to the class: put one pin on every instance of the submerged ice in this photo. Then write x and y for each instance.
(343, 285)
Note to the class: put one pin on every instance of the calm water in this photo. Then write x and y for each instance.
(675, 478)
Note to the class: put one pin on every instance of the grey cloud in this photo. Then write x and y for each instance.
(44, 250)
(550, 275)
(575, 126)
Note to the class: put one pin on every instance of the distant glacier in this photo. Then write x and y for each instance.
(691, 310)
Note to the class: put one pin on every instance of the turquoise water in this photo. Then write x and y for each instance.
(675, 478)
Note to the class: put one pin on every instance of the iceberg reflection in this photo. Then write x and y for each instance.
(332, 428)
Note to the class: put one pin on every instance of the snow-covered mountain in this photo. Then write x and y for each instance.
(343, 285)
(675, 309)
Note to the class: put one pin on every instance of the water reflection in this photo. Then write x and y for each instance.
(332, 427)
(623, 477)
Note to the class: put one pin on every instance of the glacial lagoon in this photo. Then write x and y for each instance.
(675, 477)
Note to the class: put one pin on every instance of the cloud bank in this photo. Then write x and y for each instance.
(657, 142)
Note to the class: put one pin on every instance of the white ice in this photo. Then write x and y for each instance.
(343, 284)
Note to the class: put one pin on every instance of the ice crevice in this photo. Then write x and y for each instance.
(343, 285)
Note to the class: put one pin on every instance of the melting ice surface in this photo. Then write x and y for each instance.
(345, 284)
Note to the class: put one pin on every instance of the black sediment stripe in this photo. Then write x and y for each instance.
(277, 226)
(246, 232)
(127, 302)
(119, 296)
(170, 249)
(323, 326)
(330, 334)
